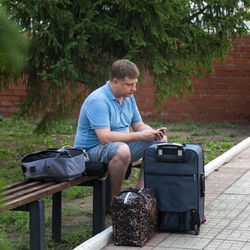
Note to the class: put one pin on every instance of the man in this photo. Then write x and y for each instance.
(104, 120)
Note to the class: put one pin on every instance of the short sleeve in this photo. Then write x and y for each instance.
(98, 114)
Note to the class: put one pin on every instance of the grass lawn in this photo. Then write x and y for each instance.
(17, 136)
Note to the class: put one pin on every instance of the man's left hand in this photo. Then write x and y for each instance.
(161, 136)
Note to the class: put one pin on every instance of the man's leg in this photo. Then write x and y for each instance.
(140, 182)
(117, 168)
(137, 150)
(117, 156)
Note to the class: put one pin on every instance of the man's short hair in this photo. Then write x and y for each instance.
(123, 68)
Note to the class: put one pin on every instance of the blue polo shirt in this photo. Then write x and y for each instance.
(101, 109)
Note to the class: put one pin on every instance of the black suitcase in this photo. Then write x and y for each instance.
(176, 172)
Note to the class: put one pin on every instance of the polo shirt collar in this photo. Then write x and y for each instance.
(108, 91)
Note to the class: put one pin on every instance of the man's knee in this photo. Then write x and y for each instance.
(123, 153)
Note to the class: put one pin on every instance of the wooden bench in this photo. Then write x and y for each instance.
(27, 195)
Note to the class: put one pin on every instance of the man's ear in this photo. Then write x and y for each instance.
(115, 81)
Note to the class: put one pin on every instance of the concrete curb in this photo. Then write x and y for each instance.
(104, 238)
(227, 156)
(97, 242)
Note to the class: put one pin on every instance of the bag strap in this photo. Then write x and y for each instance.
(20, 156)
(136, 191)
(86, 156)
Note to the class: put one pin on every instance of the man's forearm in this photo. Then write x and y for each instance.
(143, 127)
(125, 137)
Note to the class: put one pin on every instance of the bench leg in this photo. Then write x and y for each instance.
(56, 216)
(36, 211)
(99, 204)
(108, 193)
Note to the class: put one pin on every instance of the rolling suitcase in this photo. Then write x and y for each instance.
(176, 172)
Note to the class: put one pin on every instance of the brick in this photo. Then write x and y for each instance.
(245, 54)
(19, 92)
(230, 67)
(4, 109)
(230, 92)
(238, 74)
(240, 61)
(242, 47)
(220, 98)
(5, 92)
(234, 54)
(238, 85)
(245, 67)
(225, 74)
(234, 81)
(6, 104)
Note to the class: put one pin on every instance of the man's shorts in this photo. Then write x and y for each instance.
(105, 153)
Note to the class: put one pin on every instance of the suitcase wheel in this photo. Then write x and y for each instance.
(196, 229)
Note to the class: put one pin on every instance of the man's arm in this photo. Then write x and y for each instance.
(105, 135)
(142, 132)
(141, 126)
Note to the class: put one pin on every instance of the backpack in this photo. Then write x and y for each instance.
(64, 164)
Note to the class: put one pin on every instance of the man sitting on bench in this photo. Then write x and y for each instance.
(104, 119)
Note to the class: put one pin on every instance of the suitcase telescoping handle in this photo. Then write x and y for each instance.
(170, 152)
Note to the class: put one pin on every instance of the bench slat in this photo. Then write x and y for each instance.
(25, 190)
(25, 186)
(15, 184)
(36, 195)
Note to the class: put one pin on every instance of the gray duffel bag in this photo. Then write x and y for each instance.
(64, 164)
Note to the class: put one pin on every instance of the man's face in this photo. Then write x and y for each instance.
(126, 87)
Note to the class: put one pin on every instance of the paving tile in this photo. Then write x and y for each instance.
(187, 242)
(157, 238)
(167, 242)
(213, 244)
(232, 245)
(224, 234)
(246, 246)
(240, 235)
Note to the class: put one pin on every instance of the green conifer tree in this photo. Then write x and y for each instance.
(74, 42)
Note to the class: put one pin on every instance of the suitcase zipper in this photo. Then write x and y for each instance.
(188, 175)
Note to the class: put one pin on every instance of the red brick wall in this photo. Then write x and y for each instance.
(10, 99)
(224, 96)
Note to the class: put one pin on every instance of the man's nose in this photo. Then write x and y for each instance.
(133, 87)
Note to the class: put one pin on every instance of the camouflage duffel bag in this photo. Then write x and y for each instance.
(134, 216)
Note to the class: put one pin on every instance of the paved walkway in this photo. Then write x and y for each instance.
(227, 209)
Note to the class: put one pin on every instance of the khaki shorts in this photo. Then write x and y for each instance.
(105, 153)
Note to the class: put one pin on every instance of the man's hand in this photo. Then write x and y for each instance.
(161, 135)
(149, 134)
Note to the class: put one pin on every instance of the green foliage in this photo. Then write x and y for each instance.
(73, 44)
(4, 242)
(12, 47)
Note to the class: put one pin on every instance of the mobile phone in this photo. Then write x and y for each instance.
(163, 128)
